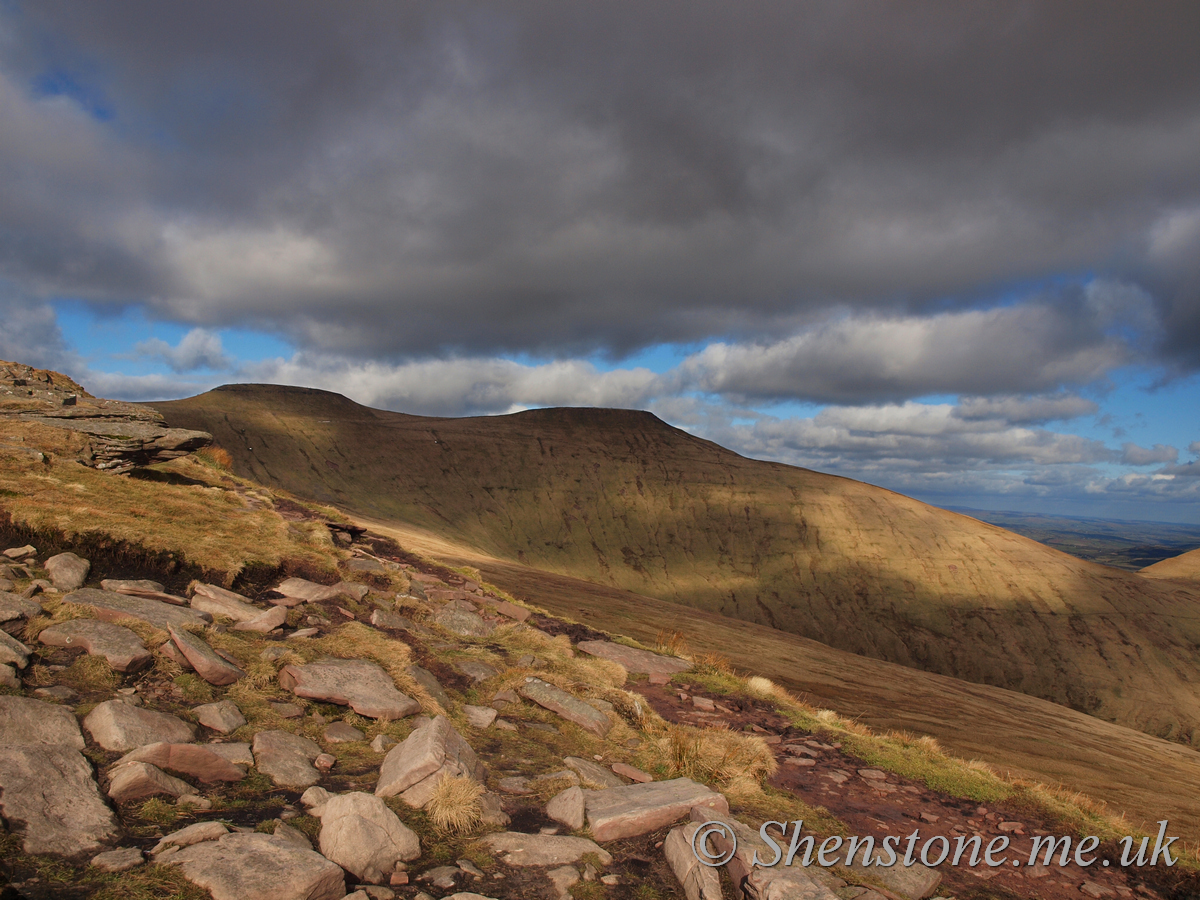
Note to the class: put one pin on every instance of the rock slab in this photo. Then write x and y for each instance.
(563, 704)
(634, 660)
(260, 867)
(112, 607)
(516, 849)
(700, 882)
(362, 685)
(122, 648)
(208, 665)
(635, 809)
(47, 792)
(286, 758)
(222, 716)
(119, 726)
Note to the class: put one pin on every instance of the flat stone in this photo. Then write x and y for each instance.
(237, 753)
(427, 680)
(192, 834)
(475, 669)
(514, 784)
(208, 665)
(286, 758)
(365, 564)
(112, 607)
(121, 860)
(273, 653)
(341, 733)
(197, 760)
(413, 768)
(567, 808)
(14, 606)
(635, 809)
(785, 883)
(68, 572)
(593, 775)
(305, 633)
(381, 618)
(461, 622)
(220, 602)
(324, 762)
(516, 849)
(275, 617)
(136, 780)
(511, 610)
(222, 716)
(12, 651)
(362, 685)
(699, 881)
(56, 692)
(119, 726)
(286, 710)
(301, 591)
(8, 677)
(635, 661)
(353, 590)
(173, 653)
(561, 881)
(47, 793)
(21, 553)
(480, 716)
(260, 867)
(122, 648)
(364, 837)
(631, 773)
(132, 586)
(563, 704)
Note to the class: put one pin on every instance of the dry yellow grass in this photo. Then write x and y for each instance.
(454, 807)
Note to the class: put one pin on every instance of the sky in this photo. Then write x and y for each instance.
(952, 249)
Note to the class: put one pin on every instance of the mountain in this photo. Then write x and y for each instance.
(621, 499)
(1186, 566)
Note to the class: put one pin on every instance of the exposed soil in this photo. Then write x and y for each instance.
(879, 804)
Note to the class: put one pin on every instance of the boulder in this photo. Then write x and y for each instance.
(570, 708)
(634, 809)
(364, 837)
(259, 867)
(120, 726)
(208, 665)
(699, 881)
(567, 808)
(516, 849)
(47, 792)
(461, 622)
(635, 661)
(414, 767)
(12, 651)
(222, 716)
(67, 571)
(197, 760)
(265, 622)
(112, 607)
(136, 780)
(122, 648)
(286, 758)
(362, 685)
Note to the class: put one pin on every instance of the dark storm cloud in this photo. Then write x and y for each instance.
(400, 178)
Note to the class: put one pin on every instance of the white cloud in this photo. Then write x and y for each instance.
(198, 349)
(1133, 455)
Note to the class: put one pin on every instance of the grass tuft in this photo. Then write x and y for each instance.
(454, 807)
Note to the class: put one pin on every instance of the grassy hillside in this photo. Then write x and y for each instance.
(621, 499)
(1186, 566)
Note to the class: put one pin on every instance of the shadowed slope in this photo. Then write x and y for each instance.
(622, 499)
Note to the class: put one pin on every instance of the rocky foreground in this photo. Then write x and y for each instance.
(405, 732)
